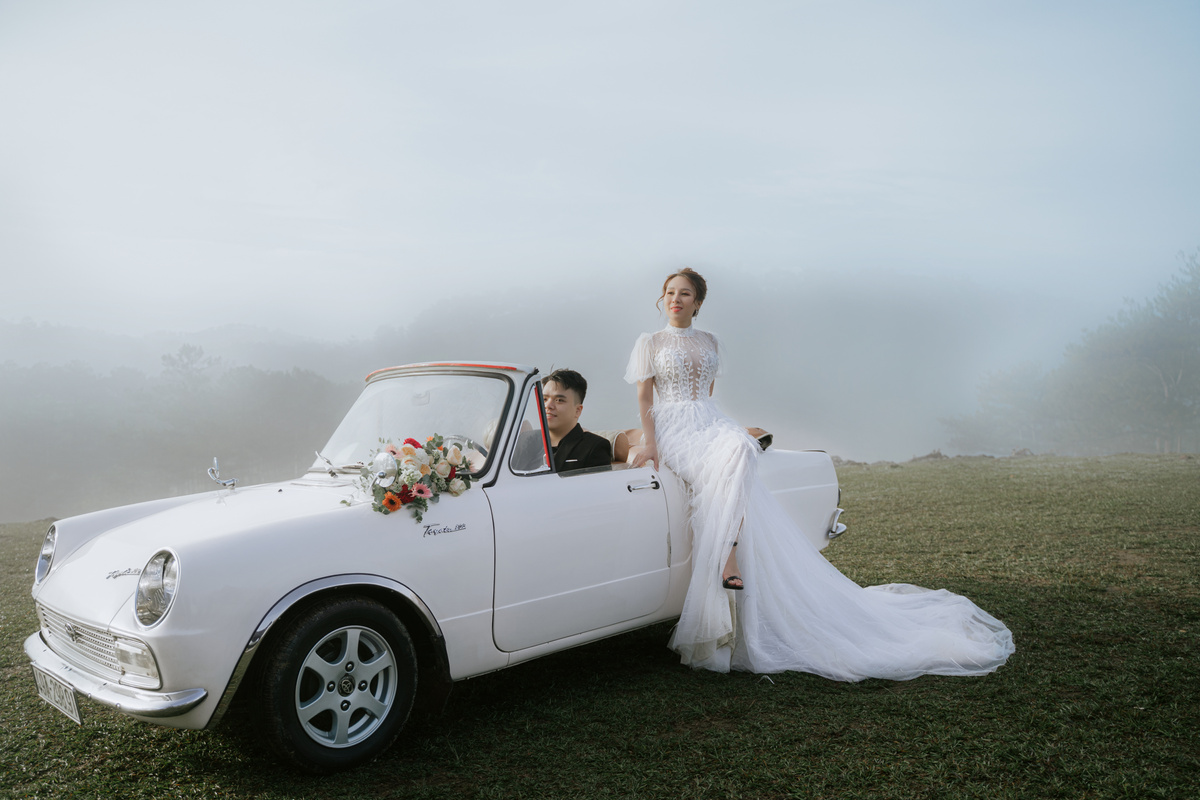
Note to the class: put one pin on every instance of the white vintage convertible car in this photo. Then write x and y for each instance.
(335, 619)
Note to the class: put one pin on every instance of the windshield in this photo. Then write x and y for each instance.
(465, 409)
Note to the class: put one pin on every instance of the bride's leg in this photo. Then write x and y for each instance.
(731, 577)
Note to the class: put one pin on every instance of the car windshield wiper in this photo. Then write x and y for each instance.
(335, 470)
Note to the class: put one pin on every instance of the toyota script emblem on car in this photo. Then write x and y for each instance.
(435, 530)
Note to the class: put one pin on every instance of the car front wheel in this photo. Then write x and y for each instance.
(338, 685)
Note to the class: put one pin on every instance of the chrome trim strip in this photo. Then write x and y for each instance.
(298, 594)
(126, 699)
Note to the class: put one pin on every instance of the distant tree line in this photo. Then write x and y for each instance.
(1131, 385)
(72, 440)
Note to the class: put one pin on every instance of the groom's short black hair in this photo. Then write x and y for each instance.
(568, 379)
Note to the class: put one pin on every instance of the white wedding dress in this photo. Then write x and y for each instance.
(797, 611)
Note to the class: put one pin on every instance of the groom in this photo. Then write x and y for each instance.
(574, 448)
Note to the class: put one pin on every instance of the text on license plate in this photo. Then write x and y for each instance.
(57, 694)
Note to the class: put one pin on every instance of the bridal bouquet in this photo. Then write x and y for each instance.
(413, 475)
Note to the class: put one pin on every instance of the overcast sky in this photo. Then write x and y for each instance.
(322, 168)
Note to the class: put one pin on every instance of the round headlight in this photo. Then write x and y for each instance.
(46, 557)
(156, 587)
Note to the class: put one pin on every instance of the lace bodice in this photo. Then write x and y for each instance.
(683, 362)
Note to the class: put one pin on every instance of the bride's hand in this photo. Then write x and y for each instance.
(647, 454)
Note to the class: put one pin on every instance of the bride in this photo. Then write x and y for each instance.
(762, 598)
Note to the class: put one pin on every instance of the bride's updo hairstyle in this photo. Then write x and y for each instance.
(694, 278)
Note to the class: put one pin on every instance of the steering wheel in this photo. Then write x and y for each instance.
(464, 442)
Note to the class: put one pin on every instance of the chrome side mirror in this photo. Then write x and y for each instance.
(214, 472)
(384, 469)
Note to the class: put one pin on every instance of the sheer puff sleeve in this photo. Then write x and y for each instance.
(641, 361)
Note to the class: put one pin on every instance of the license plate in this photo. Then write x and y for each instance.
(57, 694)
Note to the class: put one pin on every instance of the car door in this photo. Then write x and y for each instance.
(575, 552)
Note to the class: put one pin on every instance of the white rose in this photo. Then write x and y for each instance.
(456, 487)
(442, 468)
(455, 456)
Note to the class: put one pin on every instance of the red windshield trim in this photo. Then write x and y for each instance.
(444, 364)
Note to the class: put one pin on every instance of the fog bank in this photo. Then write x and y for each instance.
(865, 369)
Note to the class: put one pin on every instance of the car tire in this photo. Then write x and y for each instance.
(337, 685)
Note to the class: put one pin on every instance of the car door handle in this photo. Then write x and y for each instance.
(653, 484)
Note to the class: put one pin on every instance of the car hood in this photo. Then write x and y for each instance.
(95, 581)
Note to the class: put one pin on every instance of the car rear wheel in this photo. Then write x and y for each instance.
(338, 685)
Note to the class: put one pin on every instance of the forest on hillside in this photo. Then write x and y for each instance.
(1130, 385)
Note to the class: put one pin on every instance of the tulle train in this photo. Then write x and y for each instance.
(797, 611)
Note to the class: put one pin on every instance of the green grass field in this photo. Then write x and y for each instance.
(1093, 563)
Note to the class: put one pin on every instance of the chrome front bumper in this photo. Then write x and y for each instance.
(126, 699)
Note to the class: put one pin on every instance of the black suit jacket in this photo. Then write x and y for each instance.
(580, 449)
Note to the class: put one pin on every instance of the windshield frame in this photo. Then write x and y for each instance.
(381, 380)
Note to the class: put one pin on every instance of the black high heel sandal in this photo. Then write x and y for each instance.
(725, 584)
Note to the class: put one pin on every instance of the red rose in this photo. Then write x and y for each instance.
(406, 494)
(453, 472)
(414, 443)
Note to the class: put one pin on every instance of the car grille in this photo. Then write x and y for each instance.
(83, 645)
